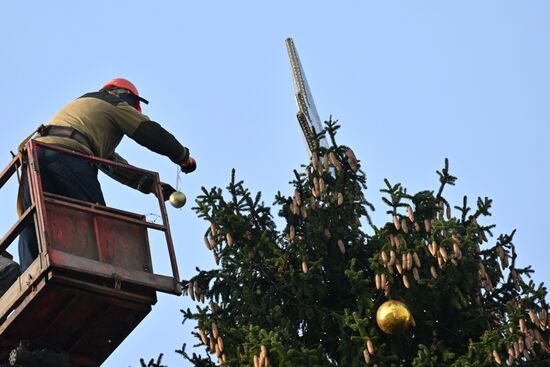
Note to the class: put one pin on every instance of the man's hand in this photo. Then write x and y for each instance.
(167, 190)
(147, 186)
(189, 165)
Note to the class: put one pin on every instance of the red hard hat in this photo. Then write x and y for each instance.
(128, 85)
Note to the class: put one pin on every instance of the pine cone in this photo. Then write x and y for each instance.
(406, 281)
(229, 239)
(410, 213)
(335, 162)
(203, 337)
(404, 226)
(341, 247)
(305, 268)
(366, 356)
(416, 260)
(416, 275)
(370, 346)
(191, 290)
(352, 160)
(396, 222)
(497, 358)
(214, 330)
(427, 225)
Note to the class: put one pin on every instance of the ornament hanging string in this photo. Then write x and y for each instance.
(178, 179)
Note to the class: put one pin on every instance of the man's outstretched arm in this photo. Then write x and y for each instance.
(154, 137)
(135, 180)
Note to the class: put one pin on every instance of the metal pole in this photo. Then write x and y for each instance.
(307, 112)
(37, 197)
(167, 233)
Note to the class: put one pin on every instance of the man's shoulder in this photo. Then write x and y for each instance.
(103, 96)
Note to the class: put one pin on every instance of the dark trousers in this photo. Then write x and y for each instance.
(9, 272)
(63, 175)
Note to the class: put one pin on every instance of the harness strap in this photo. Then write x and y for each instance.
(21, 147)
(71, 133)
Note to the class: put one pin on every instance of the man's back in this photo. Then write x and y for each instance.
(101, 117)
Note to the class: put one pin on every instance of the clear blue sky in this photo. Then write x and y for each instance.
(412, 82)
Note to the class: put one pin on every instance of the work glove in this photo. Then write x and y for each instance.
(147, 185)
(189, 165)
(167, 190)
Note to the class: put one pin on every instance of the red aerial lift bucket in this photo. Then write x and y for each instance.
(93, 281)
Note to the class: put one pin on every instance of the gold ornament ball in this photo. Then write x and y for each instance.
(393, 317)
(177, 199)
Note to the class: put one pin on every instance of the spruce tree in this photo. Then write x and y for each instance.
(308, 295)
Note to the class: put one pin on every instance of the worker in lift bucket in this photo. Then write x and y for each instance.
(95, 124)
